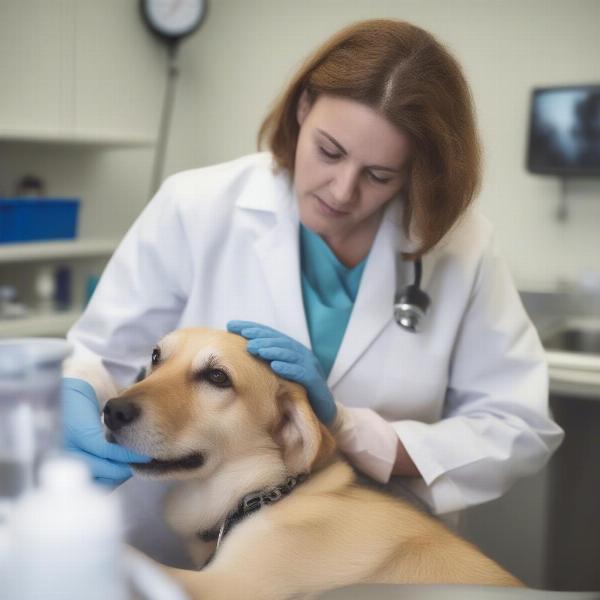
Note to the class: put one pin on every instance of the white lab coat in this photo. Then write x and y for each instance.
(467, 395)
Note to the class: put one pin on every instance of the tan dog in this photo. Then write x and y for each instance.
(213, 415)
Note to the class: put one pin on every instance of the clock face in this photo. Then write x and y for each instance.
(173, 18)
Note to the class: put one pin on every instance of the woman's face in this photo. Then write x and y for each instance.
(350, 162)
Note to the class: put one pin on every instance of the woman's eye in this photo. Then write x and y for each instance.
(328, 154)
(219, 378)
(155, 356)
(378, 179)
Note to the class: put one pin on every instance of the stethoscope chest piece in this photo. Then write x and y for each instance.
(410, 307)
(411, 304)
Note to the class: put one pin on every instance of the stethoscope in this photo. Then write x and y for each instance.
(411, 303)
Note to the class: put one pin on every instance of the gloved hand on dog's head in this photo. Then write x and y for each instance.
(83, 435)
(291, 360)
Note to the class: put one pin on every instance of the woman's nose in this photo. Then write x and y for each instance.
(344, 186)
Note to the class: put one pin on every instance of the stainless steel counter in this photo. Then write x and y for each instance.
(450, 592)
(569, 326)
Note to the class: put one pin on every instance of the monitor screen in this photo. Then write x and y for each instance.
(564, 131)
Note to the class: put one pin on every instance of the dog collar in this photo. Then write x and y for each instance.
(250, 504)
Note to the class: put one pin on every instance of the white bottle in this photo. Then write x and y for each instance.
(45, 287)
(65, 538)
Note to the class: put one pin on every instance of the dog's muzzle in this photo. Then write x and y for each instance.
(118, 413)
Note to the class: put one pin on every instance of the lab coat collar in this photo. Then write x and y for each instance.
(269, 189)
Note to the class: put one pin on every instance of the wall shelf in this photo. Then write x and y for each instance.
(47, 324)
(51, 250)
(80, 138)
(81, 114)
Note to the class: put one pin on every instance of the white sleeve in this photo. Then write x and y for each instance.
(139, 298)
(367, 439)
(496, 425)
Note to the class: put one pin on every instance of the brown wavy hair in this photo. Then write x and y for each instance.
(405, 74)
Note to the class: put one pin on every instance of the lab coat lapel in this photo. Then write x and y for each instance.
(373, 307)
(279, 254)
(272, 216)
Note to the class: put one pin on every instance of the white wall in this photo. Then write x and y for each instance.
(233, 68)
(245, 52)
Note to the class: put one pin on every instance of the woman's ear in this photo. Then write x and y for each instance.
(303, 107)
(304, 440)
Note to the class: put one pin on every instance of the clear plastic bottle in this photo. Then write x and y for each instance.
(30, 410)
(65, 538)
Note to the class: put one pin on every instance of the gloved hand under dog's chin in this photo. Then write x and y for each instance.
(109, 463)
(290, 360)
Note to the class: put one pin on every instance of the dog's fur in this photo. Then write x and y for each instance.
(227, 441)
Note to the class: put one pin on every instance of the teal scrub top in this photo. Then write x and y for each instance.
(329, 290)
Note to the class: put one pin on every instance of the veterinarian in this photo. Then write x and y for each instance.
(372, 152)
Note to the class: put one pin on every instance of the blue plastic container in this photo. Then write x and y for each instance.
(36, 219)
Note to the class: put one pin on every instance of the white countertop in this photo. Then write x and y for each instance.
(574, 373)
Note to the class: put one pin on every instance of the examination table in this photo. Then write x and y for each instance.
(449, 592)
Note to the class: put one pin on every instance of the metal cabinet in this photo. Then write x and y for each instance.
(546, 529)
(573, 538)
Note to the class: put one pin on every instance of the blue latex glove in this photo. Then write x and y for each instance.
(109, 463)
(291, 360)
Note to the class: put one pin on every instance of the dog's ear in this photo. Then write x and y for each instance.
(305, 441)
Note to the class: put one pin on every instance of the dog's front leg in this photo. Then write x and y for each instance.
(222, 583)
(200, 551)
(233, 584)
(210, 584)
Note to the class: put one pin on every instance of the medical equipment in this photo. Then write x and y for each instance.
(564, 131)
(30, 423)
(171, 21)
(410, 304)
(63, 540)
(564, 136)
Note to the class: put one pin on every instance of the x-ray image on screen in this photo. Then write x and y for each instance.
(564, 136)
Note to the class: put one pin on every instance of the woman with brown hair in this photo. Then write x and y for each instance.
(373, 163)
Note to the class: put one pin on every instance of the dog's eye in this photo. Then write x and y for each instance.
(218, 377)
(155, 355)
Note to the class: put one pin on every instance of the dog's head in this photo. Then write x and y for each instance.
(207, 401)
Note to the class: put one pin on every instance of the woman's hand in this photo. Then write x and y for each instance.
(108, 463)
(291, 360)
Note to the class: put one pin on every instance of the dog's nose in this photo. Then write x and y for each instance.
(119, 412)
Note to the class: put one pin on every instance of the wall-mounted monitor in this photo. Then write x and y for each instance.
(564, 131)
